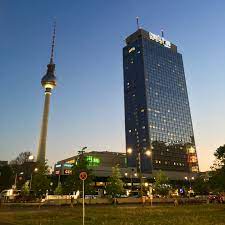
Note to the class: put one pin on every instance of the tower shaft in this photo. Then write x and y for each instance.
(44, 130)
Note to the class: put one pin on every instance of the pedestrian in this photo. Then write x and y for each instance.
(71, 201)
(175, 202)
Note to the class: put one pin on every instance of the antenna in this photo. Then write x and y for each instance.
(162, 33)
(137, 20)
(53, 42)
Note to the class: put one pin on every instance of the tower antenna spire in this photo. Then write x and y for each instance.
(162, 33)
(137, 20)
(53, 42)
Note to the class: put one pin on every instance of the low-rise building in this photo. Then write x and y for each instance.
(101, 163)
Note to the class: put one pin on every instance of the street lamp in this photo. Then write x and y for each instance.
(31, 177)
(189, 179)
(129, 150)
(31, 157)
(147, 153)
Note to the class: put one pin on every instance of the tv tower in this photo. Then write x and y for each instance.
(48, 82)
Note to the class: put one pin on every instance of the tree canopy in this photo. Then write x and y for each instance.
(40, 181)
(161, 185)
(73, 182)
(6, 177)
(217, 179)
(21, 158)
(115, 184)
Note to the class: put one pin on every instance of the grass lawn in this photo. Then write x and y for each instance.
(122, 215)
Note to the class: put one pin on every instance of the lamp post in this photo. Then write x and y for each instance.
(147, 153)
(189, 179)
(130, 177)
(15, 182)
(31, 177)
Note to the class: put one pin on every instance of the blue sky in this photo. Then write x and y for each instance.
(87, 105)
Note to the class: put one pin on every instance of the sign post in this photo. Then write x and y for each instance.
(83, 177)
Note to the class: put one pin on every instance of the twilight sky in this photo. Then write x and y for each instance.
(87, 105)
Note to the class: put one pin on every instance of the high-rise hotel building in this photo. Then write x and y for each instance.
(157, 111)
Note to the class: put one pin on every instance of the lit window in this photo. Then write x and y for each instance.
(131, 49)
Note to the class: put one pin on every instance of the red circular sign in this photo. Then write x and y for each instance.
(83, 176)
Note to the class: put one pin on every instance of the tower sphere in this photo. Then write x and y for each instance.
(48, 81)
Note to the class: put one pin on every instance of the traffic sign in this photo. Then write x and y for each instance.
(83, 175)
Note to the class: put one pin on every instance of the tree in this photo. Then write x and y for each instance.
(115, 184)
(22, 168)
(21, 158)
(25, 190)
(40, 181)
(220, 157)
(161, 185)
(6, 177)
(201, 186)
(59, 189)
(217, 179)
(73, 182)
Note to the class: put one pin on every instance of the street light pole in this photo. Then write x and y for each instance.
(131, 179)
(140, 171)
(31, 176)
(15, 181)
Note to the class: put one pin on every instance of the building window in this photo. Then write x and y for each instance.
(131, 49)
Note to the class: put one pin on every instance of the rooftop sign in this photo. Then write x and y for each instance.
(160, 40)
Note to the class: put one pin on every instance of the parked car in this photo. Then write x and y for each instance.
(9, 195)
(216, 198)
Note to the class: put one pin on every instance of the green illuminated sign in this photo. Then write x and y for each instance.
(92, 161)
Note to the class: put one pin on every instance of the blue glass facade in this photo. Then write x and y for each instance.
(157, 112)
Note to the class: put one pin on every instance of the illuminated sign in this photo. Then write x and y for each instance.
(68, 165)
(160, 40)
(72, 161)
(58, 165)
(93, 161)
(67, 171)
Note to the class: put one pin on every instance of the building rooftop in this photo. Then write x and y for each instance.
(141, 33)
